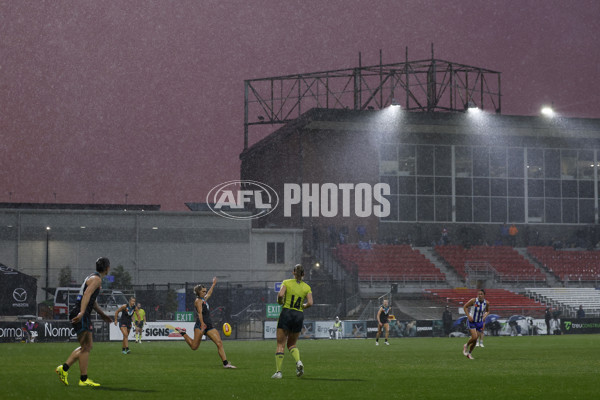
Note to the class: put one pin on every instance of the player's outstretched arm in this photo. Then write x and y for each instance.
(209, 293)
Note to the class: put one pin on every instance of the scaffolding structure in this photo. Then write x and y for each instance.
(431, 85)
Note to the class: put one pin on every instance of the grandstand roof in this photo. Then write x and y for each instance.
(80, 206)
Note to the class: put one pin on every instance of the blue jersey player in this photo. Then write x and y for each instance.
(480, 308)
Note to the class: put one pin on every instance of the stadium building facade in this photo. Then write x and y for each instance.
(432, 130)
(153, 247)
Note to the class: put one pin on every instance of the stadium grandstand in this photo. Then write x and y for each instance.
(459, 172)
(394, 180)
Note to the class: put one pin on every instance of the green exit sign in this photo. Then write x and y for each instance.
(273, 310)
(184, 316)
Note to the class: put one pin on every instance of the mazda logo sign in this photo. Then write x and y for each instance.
(20, 295)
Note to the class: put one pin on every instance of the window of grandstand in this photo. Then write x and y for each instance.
(275, 253)
(441, 183)
(406, 162)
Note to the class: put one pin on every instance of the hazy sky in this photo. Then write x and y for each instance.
(99, 99)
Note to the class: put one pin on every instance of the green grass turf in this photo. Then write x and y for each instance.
(543, 367)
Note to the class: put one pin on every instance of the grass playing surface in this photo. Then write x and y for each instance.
(539, 367)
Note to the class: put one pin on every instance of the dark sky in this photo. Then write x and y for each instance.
(99, 99)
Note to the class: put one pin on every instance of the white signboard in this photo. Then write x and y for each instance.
(160, 330)
(270, 329)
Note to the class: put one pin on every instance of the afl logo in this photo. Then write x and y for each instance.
(20, 295)
(230, 198)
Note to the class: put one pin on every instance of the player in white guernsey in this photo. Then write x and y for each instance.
(480, 308)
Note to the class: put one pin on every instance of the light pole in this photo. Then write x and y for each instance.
(47, 258)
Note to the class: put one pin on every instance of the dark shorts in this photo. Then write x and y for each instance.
(139, 324)
(125, 324)
(476, 325)
(84, 324)
(290, 320)
(209, 326)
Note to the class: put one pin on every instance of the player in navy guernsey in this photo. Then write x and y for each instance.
(383, 322)
(124, 323)
(204, 324)
(480, 308)
(80, 317)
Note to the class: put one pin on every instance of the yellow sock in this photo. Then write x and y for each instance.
(295, 353)
(278, 360)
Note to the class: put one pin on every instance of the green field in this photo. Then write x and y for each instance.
(539, 367)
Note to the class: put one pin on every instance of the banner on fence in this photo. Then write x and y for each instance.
(43, 331)
(160, 330)
(585, 325)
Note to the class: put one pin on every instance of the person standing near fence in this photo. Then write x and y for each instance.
(140, 321)
(547, 318)
(447, 321)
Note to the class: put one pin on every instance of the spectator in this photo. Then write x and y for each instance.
(30, 330)
(494, 328)
(555, 322)
(447, 321)
(336, 330)
(580, 312)
(531, 327)
(504, 234)
(547, 318)
(445, 239)
(362, 232)
(512, 232)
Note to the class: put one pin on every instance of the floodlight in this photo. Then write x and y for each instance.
(547, 111)
(472, 107)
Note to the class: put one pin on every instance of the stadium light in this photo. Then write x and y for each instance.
(472, 107)
(547, 111)
(395, 103)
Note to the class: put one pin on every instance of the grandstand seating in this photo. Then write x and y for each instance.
(387, 263)
(502, 302)
(568, 265)
(505, 260)
(569, 299)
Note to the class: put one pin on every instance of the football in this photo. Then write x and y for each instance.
(226, 329)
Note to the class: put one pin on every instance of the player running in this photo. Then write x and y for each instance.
(127, 311)
(204, 325)
(480, 308)
(80, 317)
(383, 322)
(292, 295)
